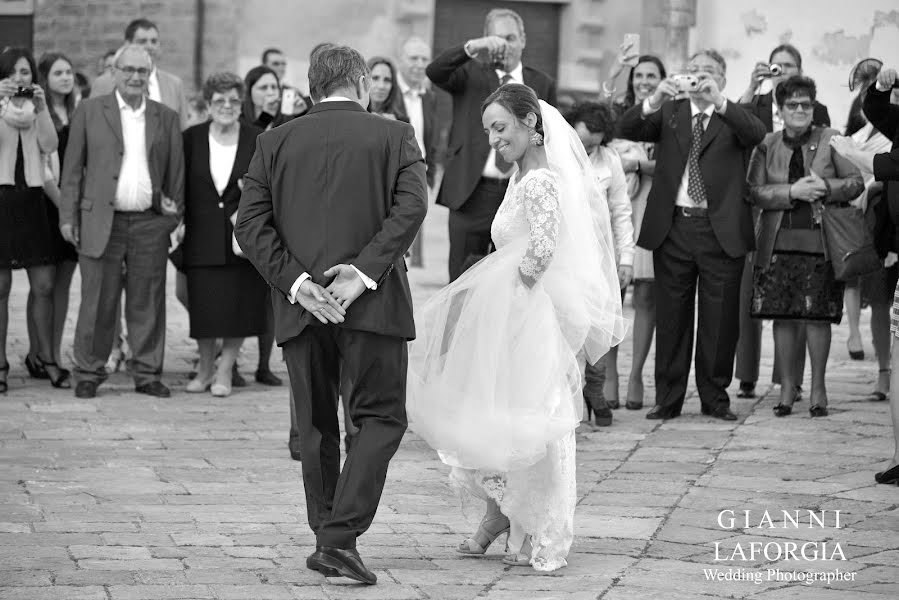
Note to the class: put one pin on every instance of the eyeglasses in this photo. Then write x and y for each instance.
(793, 105)
(223, 102)
(129, 71)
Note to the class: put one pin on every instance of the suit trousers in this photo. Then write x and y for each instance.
(140, 241)
(689, 255)
(341, 504)
(469, 225)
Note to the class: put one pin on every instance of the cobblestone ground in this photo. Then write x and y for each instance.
(124, 497)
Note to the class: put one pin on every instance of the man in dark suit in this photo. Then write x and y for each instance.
(419, 101)
(699, 227)
(749, 347)
(328, 230)
(476, 177)
(122, 194)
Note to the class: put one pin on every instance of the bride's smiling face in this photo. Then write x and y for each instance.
(509, 136)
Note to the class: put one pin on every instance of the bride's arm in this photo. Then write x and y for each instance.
(541, 208)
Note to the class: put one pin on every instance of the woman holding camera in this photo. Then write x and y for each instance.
(784, 62)
(793, 176)
(26, 235)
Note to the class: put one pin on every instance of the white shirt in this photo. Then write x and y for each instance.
(134, 189)
(369, 282)
(683, 198)
(777, 121)
(415, 110)
(613, 186)
(490, 169)
(153, 86)
(221, 163)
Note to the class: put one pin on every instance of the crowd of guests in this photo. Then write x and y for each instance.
(706, 195)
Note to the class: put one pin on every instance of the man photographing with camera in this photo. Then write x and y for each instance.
(476, 177)
(699, 227)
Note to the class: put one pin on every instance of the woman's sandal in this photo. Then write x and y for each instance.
(4, 370)
(35, 367)
(522, 558)
(61, 381)
(877, 395)
(474, 545)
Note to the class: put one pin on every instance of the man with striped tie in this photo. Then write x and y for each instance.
(698, 224)
(476, 177)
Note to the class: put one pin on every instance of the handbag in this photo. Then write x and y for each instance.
(847, 237)
(850, 244)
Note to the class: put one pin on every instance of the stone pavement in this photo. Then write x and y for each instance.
(124, 497)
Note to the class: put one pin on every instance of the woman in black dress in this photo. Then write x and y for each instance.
(385, 98)
(57, 77)
(26, 240)
(228, 298)
(793, 174)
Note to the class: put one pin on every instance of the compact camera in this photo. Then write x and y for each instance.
(775, 70)
(25, 92)
(685, 82)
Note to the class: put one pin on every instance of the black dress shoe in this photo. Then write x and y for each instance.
(346, 563)
(154, 388)
(721, 412)
(294, 446)
(86, 389)
(266, 377)
(661, 412)
(313, 562)
(237, 380)
(747, 389)
(888, 477)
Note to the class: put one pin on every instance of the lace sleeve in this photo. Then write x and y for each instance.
(541, 208)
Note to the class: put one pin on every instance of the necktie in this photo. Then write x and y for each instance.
(501, 164)
(695, 184)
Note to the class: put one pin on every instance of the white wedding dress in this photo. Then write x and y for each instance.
(494, 380)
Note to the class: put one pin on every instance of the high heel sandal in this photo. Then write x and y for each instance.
(782, 410)
(61, 381)
(522, 558)
(473, 546)
(35, 367)
(888, 477)
(818, 411)
(4, 370)
(877, 395)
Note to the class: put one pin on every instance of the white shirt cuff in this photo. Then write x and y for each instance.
(880, 88)
(295, 288)
(369, 283)
(470, 55)
(648, 109)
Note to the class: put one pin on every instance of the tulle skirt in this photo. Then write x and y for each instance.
(492, 379)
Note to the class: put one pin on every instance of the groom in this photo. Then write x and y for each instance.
(330, 204)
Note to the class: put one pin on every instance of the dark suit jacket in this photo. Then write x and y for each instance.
(338, 185)
(171, 91)
(470, 82)
(721, 161)
(762, 107)
(207, 224)
(769, 185)
(885, 117)
(431, 132)
(93, 161)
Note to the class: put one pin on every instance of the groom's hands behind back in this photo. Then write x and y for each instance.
(347, 285)
(319, 302)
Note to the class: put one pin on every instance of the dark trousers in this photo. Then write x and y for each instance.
(689, 255)
(595, 379)
(140, 241)
(341, 504)
(469, 225)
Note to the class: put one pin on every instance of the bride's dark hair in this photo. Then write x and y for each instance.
(519, 100)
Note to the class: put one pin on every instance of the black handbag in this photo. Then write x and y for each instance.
(849, 241)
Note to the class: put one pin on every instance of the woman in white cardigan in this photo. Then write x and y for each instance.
(594, 124)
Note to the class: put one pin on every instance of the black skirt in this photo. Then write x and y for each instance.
(799, 286)
(62, 249)
(228, 301)
(26, 237)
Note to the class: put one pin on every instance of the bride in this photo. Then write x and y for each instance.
(495, 374)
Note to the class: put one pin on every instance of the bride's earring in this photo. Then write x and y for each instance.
(536, 138)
